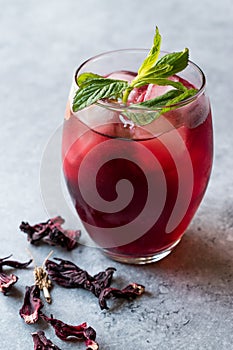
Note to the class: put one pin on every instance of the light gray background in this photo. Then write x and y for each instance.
(188, 304)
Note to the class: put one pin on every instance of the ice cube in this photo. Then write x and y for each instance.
(137, 95)
(122, 75)
(158, 90)
(149, 92)
(155, 91)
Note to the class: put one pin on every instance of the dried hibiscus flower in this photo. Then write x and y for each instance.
(42, 343)
(130, 292)
(52, 233)
(32, 305)
(6, 282)
(80, 332)
(13, 263)
(69, 275)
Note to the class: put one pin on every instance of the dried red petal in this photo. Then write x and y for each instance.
(6, 282)
(102, 280)
(89, 333)
(80, 332)
(13, 263)
(91, 345)
(51, 233)
(69, 275)
(43, 343)
(129, 292)
(32, 305)
(63, 330)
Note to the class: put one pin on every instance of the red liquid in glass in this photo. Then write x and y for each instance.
(79, 140)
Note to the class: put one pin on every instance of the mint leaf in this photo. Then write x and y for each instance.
(169, 99)
(168, 65)
(154, 71)
(85, 78)
(161, 82)
(177, 61)
(147, 65)
(153, 55)
(163, 103)
(173, 103)
(160, 101)
(147, 117)
(95, 89)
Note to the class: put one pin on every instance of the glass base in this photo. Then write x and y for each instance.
(127, 259)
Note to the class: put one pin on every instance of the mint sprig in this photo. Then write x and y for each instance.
(153, 55)
(96, 88)
(170, 99)
(167, 66)
(93, 87)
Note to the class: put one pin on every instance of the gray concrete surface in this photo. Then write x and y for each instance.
(188, 304)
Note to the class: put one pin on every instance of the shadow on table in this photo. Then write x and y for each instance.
(201, 259)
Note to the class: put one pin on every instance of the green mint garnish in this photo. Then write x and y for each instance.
(93, 87)
(170, 99)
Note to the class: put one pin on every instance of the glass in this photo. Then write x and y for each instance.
(136, 188)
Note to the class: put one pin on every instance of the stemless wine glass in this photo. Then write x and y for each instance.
(136, 188)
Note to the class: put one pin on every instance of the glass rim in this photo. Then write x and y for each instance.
(122, 107)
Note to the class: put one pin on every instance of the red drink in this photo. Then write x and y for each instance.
(165, 166)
